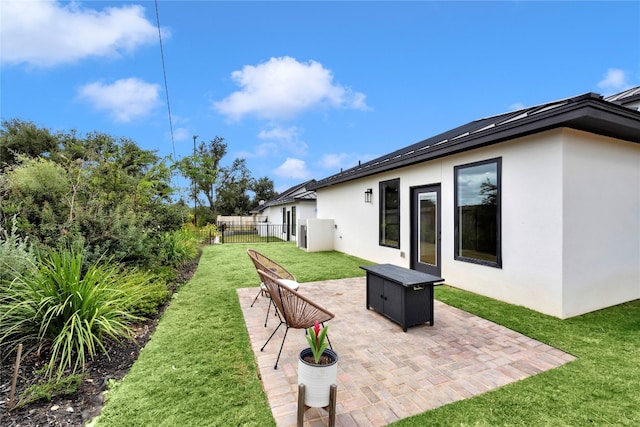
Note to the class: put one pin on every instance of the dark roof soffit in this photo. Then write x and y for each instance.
(586, 112)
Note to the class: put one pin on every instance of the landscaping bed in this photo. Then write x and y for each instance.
(76, 408)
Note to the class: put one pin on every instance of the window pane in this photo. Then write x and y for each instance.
(293, 220)
(477, 209)
(427, 223)
(390, 213)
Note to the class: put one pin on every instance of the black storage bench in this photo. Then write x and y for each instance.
(403, 295)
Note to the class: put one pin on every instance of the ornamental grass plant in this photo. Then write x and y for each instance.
(68, 309)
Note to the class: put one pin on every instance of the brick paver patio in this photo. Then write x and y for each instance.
(385, 374)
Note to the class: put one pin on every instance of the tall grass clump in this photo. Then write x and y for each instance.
(178, 247)
(68, 309)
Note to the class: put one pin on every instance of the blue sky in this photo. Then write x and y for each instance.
(302, 89)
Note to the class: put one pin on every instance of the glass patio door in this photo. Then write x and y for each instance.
(425, 229)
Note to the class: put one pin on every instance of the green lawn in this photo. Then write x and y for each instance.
(199, 370)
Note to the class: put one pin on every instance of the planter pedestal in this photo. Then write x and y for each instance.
(331, 408)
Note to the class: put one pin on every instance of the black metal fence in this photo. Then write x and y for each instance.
(236, 232)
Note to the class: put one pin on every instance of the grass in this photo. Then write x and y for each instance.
(199, 370)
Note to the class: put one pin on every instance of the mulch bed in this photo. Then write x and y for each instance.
(86, 403)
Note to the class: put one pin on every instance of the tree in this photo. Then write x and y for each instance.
(489, 191)
(103, 191)
(231, 192)
(18, 137)
(203, 168)
(263, 190)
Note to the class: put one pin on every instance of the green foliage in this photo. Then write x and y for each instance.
(231, 192)
(63, 386)
(202, 168)
(71, 309)
(316, 338)
(178, 247)
(263, 189)
(200, 358)
(150, 291)
(15, 253)
(104, 192)
(19, 137)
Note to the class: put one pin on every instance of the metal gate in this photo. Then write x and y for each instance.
(258, 232)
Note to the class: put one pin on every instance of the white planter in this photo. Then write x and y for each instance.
(317, 379)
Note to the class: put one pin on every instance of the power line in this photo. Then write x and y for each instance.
(166, 87)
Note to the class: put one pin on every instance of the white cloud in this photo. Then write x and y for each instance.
(615, 80)
(47, 33)
(516, 106)
(292, 169)
(288, 139)
(124, 100)
(283, 88)
(182, 134)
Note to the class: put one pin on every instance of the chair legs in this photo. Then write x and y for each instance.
(254, 300)
(281, 345)
(283, 339)
(261, 291)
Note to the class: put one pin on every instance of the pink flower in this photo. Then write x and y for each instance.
(316, 338)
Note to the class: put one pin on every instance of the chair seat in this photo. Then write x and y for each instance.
(291, 284)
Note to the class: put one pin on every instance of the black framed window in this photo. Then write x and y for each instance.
(284, 216)
(390, 213)
(293, 220)
(477, 198)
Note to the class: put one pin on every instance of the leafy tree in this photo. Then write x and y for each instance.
(263, 190)
(231, 192)
(19, 137)
(102, 191)
(203, 169)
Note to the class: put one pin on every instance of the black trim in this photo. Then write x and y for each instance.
(381, 200)
(588, 112)
(456, 230)
(414, 263)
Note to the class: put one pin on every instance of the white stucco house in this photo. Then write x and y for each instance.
(538, 207)
(282, 216)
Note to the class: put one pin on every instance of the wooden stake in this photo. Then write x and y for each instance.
(15, 376)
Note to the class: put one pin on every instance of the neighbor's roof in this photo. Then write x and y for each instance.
(588, 112)
(294, 194)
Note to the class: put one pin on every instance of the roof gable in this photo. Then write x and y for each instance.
(297, 193)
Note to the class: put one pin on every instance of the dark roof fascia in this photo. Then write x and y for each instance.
(293, 189)
(289, 201)
(586, 112)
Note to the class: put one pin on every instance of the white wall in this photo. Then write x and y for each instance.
(546, 188)
(319, 234)
(601, 222)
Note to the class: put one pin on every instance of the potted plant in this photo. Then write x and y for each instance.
(317, 368)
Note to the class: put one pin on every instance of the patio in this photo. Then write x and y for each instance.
(384, 374)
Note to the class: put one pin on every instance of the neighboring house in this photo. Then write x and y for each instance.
(538, 207)
(285, 213)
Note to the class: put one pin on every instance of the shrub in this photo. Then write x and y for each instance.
(15, 253)
(152, 289)
(178, 247)
(56, 303)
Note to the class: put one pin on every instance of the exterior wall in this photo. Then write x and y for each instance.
(549, 190)
(319, 234)
(601, 222)
(304, 210)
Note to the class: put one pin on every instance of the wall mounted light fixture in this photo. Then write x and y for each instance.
(367, 195)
